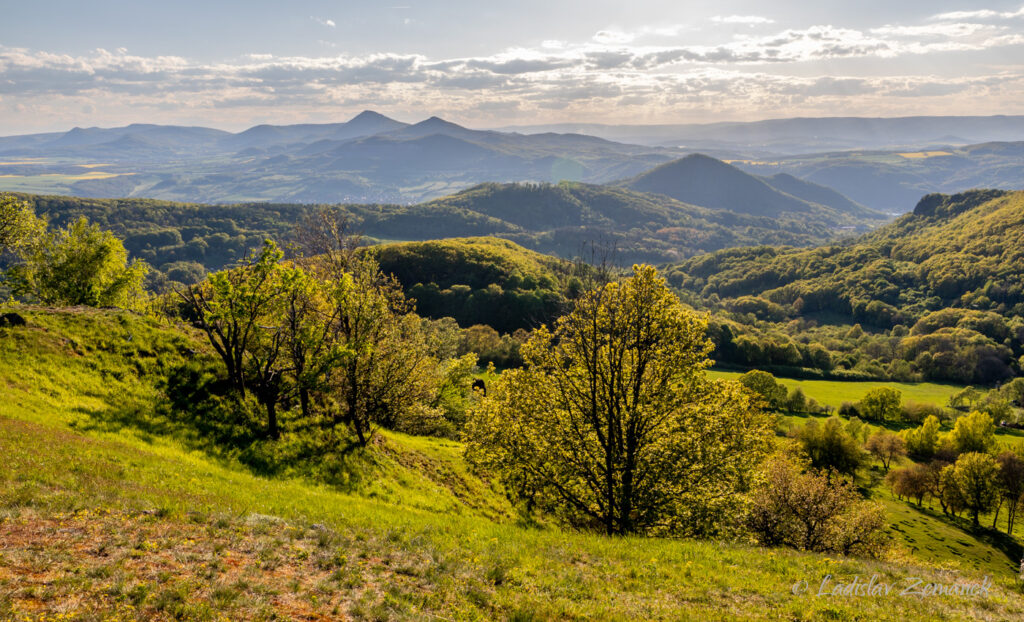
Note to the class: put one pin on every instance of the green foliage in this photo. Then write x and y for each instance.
(922, 442)
(882, 404)
(79, 265)
(973, 433)
(813, 512)
(831, 446)
(611, 424)
(974, 474)
(763, 384)
(19, 226)
(478, 281)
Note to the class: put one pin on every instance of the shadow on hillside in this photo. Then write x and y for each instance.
(200, 414)
(998, 540)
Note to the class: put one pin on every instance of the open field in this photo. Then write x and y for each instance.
(835, 392)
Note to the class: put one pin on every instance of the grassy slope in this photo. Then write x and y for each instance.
(106, 522)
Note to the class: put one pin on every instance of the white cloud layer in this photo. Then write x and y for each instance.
(646, 74)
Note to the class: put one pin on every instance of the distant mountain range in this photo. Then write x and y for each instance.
(369, 158)
(806, 135)
(375, 159)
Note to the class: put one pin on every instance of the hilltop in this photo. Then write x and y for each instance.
(120, 508)
(702, 180)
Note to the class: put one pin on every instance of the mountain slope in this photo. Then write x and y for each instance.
(952, 251)
(815, 193)
(553, 218)
(702, 180)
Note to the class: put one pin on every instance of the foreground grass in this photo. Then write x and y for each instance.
(113, 523)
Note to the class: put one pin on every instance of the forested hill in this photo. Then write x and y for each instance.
(962, 250)
(936, 295)
(702, 180)
(183, 240)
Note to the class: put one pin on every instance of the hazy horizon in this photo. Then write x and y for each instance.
(236, 65)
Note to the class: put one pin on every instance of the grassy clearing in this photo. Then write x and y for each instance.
(835, 392)
(115, 522)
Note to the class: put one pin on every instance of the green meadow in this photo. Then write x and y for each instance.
(110, 510)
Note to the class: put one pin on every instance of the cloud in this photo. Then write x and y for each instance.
(323, 22)
(751, 20)
(978, 14)
(613, 70)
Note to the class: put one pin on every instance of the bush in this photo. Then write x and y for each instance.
(917, 412)
(813, 512)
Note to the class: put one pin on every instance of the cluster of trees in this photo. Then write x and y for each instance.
(75, 265)
(963, 470)
(333, 337)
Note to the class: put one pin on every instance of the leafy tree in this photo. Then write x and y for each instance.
(922, 442)
(764, 384)
(232, 305)
(1011, 484)
(797, 401)
(882, 404)
(387, 372)
(976, 477)
(965, 398)
(19, 227)
(810, 511)
(887, 447)
(973, 433)
(913, 482)
(830, 446)
(612, 425)
(80, 265)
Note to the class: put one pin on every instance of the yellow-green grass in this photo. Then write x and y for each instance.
(835, 392)
(412, 547)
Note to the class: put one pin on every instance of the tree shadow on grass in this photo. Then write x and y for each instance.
(199, 411)
(1002, 542)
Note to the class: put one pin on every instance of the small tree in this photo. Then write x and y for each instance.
(887, 447)
(232, 305)
(612, 424)
(763, 384)
(1011, 484)
(913, 482)
(386, 372)
(797, 401)
(79, 265)
(976, 477)
(19, 227)
(973, 433)
(923, 441)
(964, 398)
(882, 404)
(809, 511)
(830, 446)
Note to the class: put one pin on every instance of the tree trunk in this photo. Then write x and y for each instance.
(272, 429)
(995, 519)
(304, 402)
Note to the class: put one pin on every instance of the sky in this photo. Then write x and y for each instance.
(233, 65)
